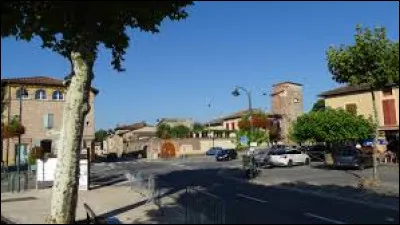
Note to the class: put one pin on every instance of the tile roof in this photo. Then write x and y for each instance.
(134, 126)
(287, 82)
(347, 90)
(240, 114)
(38, 80)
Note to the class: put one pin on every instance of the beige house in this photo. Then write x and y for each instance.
(359, 101)
(173, 122)
(39, 102)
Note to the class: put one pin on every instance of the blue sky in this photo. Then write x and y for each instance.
(177, 72)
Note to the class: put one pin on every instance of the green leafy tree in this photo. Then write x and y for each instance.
(164, 131)
(100, 135)
(75, 30)
(198, 127)
(373, 61)
(319, 105)
(334, 126)
(180, 131)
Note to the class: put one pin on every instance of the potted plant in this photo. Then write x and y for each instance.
(35, 153)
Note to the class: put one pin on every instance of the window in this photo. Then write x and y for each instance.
(58, 95)
(233, 126)
(40, 94)
(351, 108)
(48, 121)
(22, 92)
(227, 126)
(387, 91)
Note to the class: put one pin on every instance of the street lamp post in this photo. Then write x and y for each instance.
(236, 93)
(209, 128)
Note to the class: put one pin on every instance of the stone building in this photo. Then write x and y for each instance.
(287, 101)
(39, 102)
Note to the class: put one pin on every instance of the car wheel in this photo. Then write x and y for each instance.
(290, 163)
(307, 162)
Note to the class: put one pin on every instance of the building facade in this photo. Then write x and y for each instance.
(358, 100)
(39, 103)
(287, 101)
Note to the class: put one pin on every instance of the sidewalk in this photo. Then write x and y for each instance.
(128, 206)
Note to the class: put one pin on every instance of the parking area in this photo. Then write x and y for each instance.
(317, 174)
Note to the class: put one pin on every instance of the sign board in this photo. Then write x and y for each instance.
(243, 140)
(83, 176)
(253, 144)
(46, 170)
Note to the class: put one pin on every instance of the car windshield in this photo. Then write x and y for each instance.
(277, 152)
(348, 151)
(222, 152)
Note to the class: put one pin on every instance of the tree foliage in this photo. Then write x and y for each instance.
(198, 127)
(180, 131)
(319, 105)
(100, 135)
(258, 120)
(164, 131)
(372, 60)
(66, 26)
(332, 126)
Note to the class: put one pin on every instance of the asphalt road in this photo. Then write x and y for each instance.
(248, 203)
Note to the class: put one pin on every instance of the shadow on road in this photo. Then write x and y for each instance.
(215, 199)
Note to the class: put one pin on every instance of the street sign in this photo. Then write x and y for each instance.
(243, 140)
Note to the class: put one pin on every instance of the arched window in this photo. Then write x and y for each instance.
(58, 95)
(22, 92)
(40, 94)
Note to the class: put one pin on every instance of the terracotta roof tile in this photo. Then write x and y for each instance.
(347, 90)
(38, 80)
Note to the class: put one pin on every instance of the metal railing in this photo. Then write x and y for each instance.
(195, 205)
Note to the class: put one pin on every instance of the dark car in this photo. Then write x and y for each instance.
(213, 151)
(316, 152)
(353, 157)
(226, 154)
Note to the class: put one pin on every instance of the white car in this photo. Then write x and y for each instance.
(288, 157)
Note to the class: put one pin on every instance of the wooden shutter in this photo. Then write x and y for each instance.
(389, 112)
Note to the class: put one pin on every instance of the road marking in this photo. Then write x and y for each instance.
(324, 218)
(251, 198)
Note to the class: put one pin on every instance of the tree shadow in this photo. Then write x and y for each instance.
(215, 199)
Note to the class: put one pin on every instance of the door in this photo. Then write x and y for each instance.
(298, 157)
(389, 112)
(22, 153)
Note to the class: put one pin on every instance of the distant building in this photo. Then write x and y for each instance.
(287, 101)
(358, 100)
(41, 112)
(173, 122)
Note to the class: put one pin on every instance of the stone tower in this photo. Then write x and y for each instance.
(287, 101)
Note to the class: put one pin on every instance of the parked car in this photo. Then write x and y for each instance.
(262, 157)
(287, 157)
(316, 152)
(350, 156)
(226, 154)
(213, 151)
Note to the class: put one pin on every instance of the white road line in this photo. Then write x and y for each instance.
(324, 218)
(251, 198)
